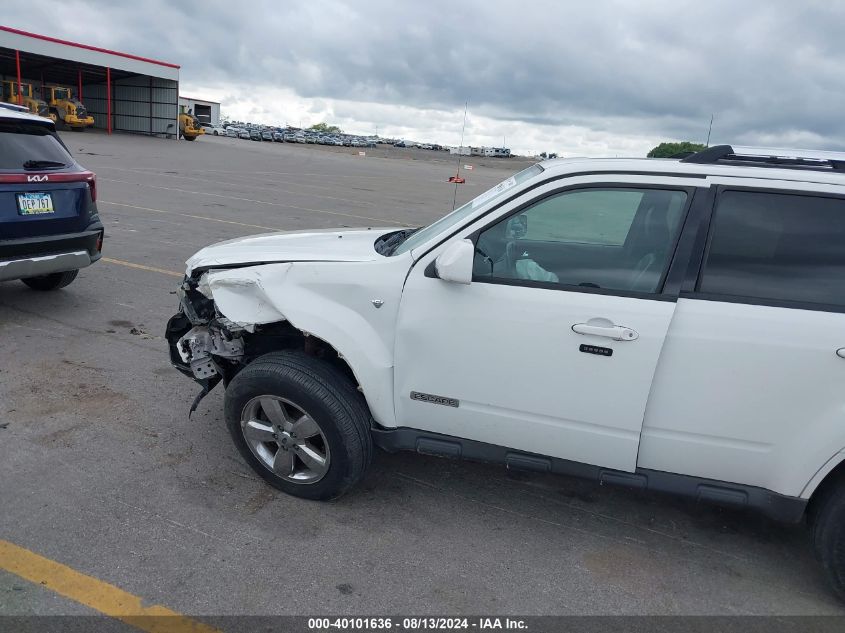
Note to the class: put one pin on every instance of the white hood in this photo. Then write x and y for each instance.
(328, 245)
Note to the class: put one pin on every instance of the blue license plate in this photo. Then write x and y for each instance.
(35, 203)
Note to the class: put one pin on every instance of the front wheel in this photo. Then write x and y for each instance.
(300, 424)
(51, 282)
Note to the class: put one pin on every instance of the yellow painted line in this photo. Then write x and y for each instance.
(151, 269)
(188, 215)
(94, 593)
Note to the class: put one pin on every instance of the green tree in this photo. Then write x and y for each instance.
(667, 150)
(326, 128)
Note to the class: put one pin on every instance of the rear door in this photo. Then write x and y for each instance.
(552, 347)
(749, 388)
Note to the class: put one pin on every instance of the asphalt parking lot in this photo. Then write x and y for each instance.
(102, 471)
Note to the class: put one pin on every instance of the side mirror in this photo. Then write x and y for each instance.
(455, 263)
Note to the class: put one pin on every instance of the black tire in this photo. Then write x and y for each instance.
(827, 521)
(190, 138)
(328, 397)
(51, 282)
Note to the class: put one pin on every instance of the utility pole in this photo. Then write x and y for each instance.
(460, 149)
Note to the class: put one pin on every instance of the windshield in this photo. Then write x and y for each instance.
(446, 222)
(61, 94)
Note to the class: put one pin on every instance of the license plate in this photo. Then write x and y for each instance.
(35, 203)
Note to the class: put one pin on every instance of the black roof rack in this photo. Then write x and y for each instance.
(769, 157)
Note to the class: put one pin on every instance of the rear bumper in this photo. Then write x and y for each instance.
(36, 256)
(43, 265)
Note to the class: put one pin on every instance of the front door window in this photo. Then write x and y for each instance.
(613, 239)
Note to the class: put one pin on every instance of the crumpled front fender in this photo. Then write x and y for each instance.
(334, 301)
(243, 295)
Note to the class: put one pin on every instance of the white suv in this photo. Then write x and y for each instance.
(671, 325)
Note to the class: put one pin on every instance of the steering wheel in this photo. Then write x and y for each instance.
(487, 258)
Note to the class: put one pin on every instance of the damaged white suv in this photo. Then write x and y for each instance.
(673, 325)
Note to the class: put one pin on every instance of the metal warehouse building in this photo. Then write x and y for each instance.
(122, 92)
(205, 111)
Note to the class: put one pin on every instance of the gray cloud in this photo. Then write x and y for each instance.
(771, 71)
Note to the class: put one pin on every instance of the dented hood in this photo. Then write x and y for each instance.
(356, 245)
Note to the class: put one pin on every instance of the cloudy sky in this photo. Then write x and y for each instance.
(598, 78)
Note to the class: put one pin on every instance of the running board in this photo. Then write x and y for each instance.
(771, 504)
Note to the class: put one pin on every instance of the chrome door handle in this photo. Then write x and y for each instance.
(841, 352)
(616, 332)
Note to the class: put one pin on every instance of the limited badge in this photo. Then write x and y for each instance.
(595, 349)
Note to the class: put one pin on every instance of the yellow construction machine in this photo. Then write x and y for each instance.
(68, 111)
(35, 105)
(189, 125)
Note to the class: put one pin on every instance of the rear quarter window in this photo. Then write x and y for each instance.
(20, 142)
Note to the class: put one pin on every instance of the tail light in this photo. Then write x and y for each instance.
(92, 186)
(100, 242)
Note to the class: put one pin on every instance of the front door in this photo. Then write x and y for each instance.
(552, 347)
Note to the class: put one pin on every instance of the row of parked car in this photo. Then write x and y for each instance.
(288, 135)
(294, 135)
(431, 146)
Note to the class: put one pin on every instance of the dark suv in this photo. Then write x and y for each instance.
(49, 226)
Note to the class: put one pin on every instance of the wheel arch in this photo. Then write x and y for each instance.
(828, 477)
(342, 317)
(290, 338)
(357, 355)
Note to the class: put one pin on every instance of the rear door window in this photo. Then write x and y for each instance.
(20, 142)
(776, 247)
